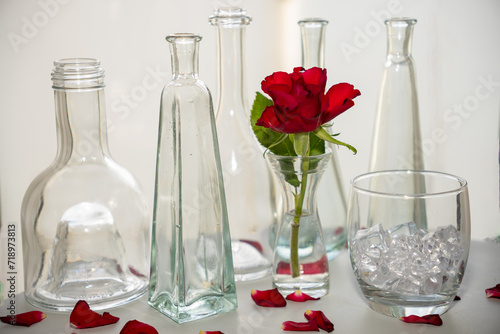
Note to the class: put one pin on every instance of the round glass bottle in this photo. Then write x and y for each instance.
(84, 219)
(250, 192)
(332, 205)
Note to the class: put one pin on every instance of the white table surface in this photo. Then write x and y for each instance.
(344, 306)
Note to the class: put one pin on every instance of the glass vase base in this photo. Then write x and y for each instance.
(314, 285)
(412, 307)
(201, 308)
(249, 261)
(101, 295)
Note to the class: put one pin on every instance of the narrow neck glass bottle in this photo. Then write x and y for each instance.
(84, 219)
(251, 195)
(332, 204)
(191, 262)
(396, 137)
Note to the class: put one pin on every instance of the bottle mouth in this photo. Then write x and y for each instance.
(77, 73)
(230, 17)
(314, 22)
(400, 22)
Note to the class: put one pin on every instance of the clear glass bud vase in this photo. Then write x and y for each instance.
(332, 204)
(191, 263)
(84, 220)
(300, 259)
(397, 141)
(251, 195)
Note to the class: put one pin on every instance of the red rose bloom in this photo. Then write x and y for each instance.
(300, 103)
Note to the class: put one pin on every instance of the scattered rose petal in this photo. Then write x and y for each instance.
(83, 317)
(255, 244)
(432, 319)
(493, 292)
(211, 332)
(457, 298)
(293, 326)
(299, 296)
(24, 319)
(268, 298)
(137, 327)
(323, 322)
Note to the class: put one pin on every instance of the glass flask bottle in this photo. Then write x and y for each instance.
(84, 219)
(251, 193)
(332, 206)
(397, 143)
(191, 264)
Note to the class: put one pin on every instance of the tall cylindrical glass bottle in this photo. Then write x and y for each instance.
(84, 219)
(251, 197)
(332, 205)
(397, 141)
(191, 263)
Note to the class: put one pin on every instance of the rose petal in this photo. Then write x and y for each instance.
(24, 319)
(268, 298)
(83, 317)
(323, 322)
(457, 298)
(255, 244)
(211, 332)
(293, 326)
(137, 327)
(432, 319)
(493, 292)
(299, 296)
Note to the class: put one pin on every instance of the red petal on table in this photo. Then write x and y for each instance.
(323, 322)
(457, 298)
(493, 292)
(293, 326)
(255, 244)
(83, 317)
(137, 327)
(24, 319)
(299, 296)
(211, 332)
(432, 319)
(268, 298)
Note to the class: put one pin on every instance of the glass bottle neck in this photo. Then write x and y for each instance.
(399, 37)
(80, 110)
(313, 42)
(230, 23)
(184, 55)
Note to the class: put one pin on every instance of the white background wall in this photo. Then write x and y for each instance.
(456, 51)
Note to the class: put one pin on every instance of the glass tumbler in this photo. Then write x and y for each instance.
(400, 268)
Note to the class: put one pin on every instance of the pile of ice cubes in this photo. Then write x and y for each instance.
(407, 260)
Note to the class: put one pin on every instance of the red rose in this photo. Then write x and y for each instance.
(300, 102)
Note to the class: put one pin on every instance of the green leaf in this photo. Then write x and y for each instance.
(268, 138)
(323, 134)
(301, 143)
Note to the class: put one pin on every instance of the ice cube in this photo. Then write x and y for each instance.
(448, 234)
(373, 236)
(432, 285)
(408, 229)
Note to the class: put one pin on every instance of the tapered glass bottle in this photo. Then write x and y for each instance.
(251, 195)
(84, 220)
(397, 143)
(331, 198)
(191, 262)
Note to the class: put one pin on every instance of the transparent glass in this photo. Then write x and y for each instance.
(396, 138)
(251, 194)
(303, 266)
(84, 220)
(191, 263)
(332, 203)
(400, 268)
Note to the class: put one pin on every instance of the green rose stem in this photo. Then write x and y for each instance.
(294, 238)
